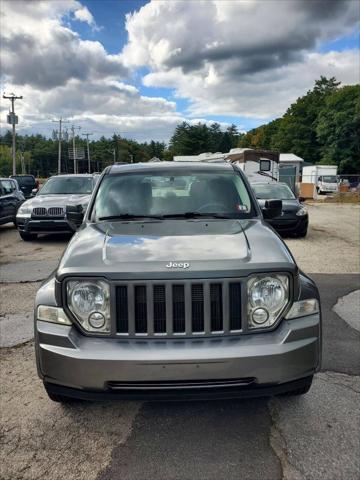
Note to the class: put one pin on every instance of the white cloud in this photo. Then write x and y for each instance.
(267, 95)
(38, 49)
(246, 58)
(83, 15)
(104, 106)
(59, 74)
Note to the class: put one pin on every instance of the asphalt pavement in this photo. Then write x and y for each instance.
(311, 437)
(314, 437)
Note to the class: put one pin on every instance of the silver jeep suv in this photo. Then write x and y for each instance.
(175, 286)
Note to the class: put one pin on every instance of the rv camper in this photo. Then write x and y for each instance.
(258, 165)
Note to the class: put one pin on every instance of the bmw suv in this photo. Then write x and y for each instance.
(46, 212)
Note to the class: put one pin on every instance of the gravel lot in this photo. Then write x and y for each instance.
(315, 437)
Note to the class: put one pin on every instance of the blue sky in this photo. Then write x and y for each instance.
(110, 17)
(184, 60)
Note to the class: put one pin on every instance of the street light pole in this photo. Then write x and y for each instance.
(13, 120)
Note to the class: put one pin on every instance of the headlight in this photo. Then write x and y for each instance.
(303, 308)
(24, 211)
(267, 298)
(303, 211)
(52, 315)
(89, 301)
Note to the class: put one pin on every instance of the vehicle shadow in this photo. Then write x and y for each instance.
(54, 238)
(198, 439)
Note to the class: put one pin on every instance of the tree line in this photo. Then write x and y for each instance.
(321, 127)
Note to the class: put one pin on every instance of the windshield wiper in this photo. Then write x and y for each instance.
(196, 215)
(129, 216)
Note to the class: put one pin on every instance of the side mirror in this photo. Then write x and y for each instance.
(302, 199)
(75, 215)
(34, 192)
(272, 209)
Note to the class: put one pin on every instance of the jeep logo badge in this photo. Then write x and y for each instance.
(177, 265)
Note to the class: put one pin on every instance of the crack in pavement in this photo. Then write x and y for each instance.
(317, 435)
(278, 444)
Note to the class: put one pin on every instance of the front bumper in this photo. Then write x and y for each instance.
(289, 226)
(44, 225)
(93, 367)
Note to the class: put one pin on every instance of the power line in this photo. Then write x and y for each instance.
(61, 121)
(73, 128)
(88, 149)
(13, 120)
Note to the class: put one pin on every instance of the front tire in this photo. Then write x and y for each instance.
(302, 233)
(27, 237)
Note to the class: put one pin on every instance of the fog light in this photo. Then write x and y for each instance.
(97, 320)
(260, 316)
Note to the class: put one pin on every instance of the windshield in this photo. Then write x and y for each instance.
(273, 191)
(169, 194)
(329, 179)
(67, 185)
(22, 181)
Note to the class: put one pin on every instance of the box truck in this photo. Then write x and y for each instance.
(324, 177)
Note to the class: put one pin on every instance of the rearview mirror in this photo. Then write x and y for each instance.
(34, 192)
(75, 215)
(272, 209)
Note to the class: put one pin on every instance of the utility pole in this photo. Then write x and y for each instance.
(13, 120)
(61, 121)
(88, 150)
(73, 128)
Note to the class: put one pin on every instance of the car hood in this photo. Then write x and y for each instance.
(159, 249)
(57, 200)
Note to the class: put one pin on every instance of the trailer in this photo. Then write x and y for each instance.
(258, 165)
(324, 177)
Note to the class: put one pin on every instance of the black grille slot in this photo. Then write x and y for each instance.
(56, 211)
(169, 308)
(39, 211)
(197, 307)
(235, 306)
(216, 312)
(178, 308)
(122, 315)
(159, 309)
(140, 310)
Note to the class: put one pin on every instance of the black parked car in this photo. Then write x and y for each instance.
(294, 218)
(27, 184)
(10, 199)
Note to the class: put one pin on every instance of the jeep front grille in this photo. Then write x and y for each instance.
(174, 309)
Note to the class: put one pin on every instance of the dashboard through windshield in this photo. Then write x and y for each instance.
(168, 194)
(68, 186)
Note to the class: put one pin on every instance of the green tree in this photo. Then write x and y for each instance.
(296, 132)
(226, 143)
(338, 127)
